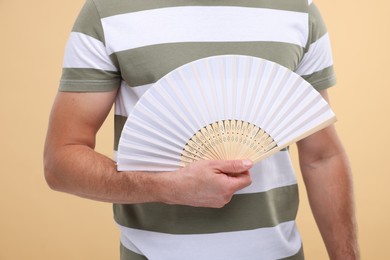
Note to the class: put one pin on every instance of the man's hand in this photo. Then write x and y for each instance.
(208, 183)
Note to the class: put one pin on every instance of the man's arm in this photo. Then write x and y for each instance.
(327, 176)
(71, 165)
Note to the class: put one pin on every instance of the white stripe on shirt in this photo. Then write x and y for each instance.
(315, 60)
(200, 24)
(266, 243)
(83, 51)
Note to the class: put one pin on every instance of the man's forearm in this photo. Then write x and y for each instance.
(330, 192)
(79, 170)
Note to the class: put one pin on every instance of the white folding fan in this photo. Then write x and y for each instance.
(221, 107)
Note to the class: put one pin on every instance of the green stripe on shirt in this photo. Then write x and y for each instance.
(163, 58)
(110, 8)
(244, 212)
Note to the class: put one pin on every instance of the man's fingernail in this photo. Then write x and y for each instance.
(247, 163)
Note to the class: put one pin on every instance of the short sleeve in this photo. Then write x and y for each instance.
(87, 65)
(316, 66)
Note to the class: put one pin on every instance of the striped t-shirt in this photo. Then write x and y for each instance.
(130, 44)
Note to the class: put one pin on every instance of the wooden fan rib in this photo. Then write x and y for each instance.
(211, 132)
(262, 143)
(198, 149)
(249, 130)
(235, 135)
(260, 157)
(243, 140)
(204, 137)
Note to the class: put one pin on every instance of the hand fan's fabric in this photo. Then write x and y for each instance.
(220, 107)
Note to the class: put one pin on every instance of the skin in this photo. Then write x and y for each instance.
(328, 180)
(71, 165)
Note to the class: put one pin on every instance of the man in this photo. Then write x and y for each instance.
(210, 209)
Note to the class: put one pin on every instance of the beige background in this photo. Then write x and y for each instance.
(37, 223)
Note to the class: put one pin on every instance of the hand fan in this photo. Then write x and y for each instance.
(220, 107)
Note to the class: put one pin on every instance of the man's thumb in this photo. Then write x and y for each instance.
(236, 166)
